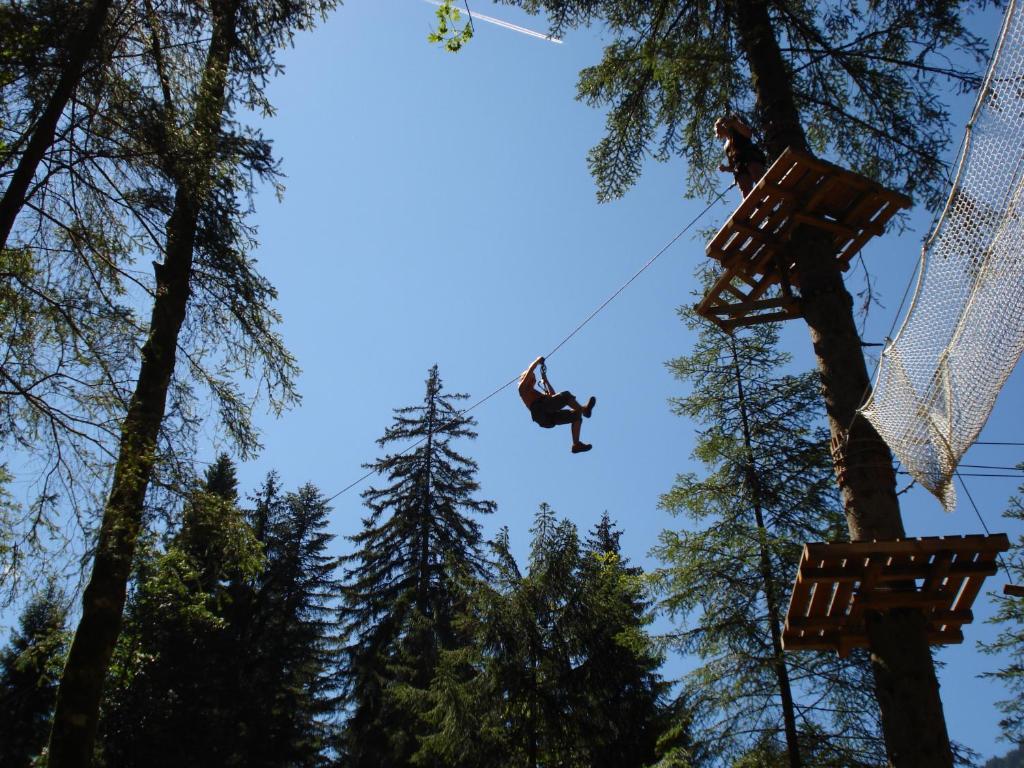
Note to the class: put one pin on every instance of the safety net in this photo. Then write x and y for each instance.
(939, 377)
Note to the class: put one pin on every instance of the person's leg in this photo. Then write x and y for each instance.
(566, 399)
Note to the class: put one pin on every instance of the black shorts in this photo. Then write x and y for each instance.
(552, 410)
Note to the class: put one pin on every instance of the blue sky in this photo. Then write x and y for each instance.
(439, 210)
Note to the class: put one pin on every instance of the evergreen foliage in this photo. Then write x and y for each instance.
(769, 488)
(1010, 641)
(558, 668)
(864, 75)
(173, 691)
(1012, 759)
(29, 670)
(399, 600)
(228, 655)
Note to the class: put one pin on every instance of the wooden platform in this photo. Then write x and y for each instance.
(836, 584)
(752, 246)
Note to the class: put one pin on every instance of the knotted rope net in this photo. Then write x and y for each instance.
(938, 379)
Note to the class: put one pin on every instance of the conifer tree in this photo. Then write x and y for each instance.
(1010, 617)
(173, 698)
(204, 65)
(769, 488)
(558, 668)
(285, 636)
(857, 80)
(29, 670)
(398, 596)
(229, 653)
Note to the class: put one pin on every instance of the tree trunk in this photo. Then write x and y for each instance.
(768, 582)
(81, 688)
(82, 45)
(906, 687)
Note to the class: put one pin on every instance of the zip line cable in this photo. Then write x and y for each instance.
(977, 512)
(558, 346)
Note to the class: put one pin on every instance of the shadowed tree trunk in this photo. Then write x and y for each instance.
(78, 700)
(771, 591)
(81, 47)
(906, 685)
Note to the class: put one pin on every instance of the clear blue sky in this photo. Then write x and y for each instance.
(439, 210)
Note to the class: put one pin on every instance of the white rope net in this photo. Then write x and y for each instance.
(938, 380)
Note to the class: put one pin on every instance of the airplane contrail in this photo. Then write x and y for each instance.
(505, 24)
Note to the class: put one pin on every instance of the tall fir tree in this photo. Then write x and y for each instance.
(769, 488)
(284, 625)
(558, 669)
(29, 670)
(229, 654)
(857, 80)
(399, 598)
(172, 698)
(1009, 617)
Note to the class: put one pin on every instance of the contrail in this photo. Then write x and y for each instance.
(505, 24)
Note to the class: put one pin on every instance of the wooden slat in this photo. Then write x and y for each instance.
(797, 189)
(1013, 590)
(837, 583)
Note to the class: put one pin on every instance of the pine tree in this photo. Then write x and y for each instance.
(558, 669)
(229, 653)
(172, 699)
(769, 488)
(858, 79)
(398, 597)
(1010, 617)
(203, 65)
(29, 669)
(285, 634)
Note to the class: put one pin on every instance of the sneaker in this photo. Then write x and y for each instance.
(589, 407)
(581, 447)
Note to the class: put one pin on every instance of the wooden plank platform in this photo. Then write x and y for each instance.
(752, 246)
(836, 583)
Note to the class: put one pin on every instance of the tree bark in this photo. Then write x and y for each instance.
(907, 689)
(78, 699)
(82, 46)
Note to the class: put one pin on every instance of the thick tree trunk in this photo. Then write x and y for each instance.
(82, 46)
(81, 688)
(767, 580)
(906, 687)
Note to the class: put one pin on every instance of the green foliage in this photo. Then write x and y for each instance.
(228, 656)
(400, 598)
(1013, 759)
(448, 31)
(1010, 641)
(557, 668)
(724, 574)
(30, 667)
(865, 75)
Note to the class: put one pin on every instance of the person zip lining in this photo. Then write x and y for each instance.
(549, 409)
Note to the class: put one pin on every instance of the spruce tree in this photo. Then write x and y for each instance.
(856, 80)
(558, 668)
(398, 596)
(769, 488)
(286, 641)
(29, 670)
(172, 698)
(203, 65)
(1010, 641)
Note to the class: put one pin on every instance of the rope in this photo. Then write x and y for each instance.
(558, 346)
(977, 512)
